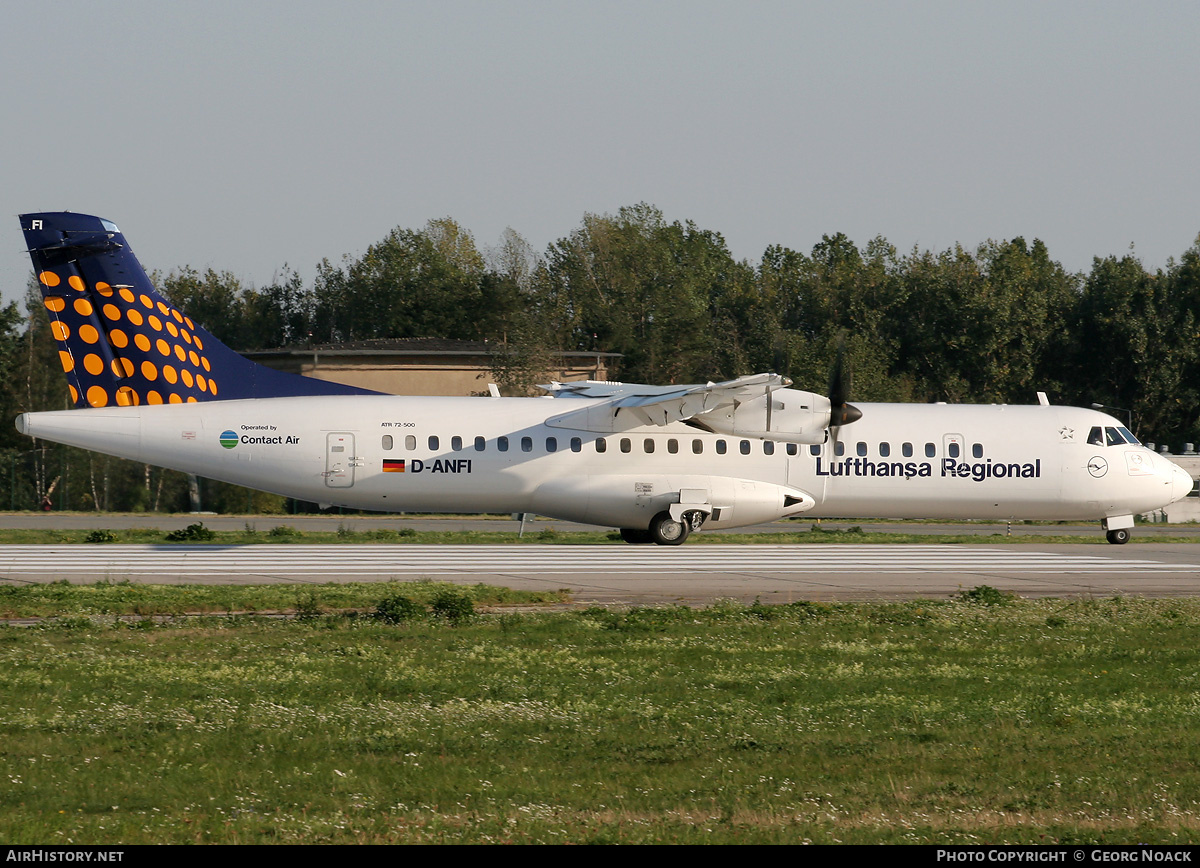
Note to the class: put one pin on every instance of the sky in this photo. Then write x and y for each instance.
(254, 136)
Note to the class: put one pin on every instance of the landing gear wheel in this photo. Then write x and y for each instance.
(666, 531)
(1118, 537)
(633, 536)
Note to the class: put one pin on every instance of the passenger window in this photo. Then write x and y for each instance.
(648, 445)
(768, 447)
(885, 449)
(840, 449)
(526, 444)
(626, 444)
(434, 443)
(480, 444)
(977, 450)
(601, 444)
(814, 449)
(502, 444)
(953, 449)
(744, 446)
(410, 442)
(698, 447)
(860, 449)
(456, 443)
(387, 442)
(673, 446)
(576, 444)
(551, 444)
(720, 447)
(930, 450)
(906, 450)
(791, 449)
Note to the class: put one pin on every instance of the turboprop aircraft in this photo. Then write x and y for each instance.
(658, 462)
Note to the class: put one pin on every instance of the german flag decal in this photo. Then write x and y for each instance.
(390, 465)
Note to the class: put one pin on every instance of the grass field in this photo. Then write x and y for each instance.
(284, 534)
(978, 719)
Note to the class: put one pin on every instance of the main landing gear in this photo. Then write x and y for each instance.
(664, 530)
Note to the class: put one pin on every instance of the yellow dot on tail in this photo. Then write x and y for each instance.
(49, 278)
(56, 304)
(97, 397)
(93, 364)
(149, 371)
(88, 334)
(127, 295)
(74, 394)
(68, 362)
(59, 330)
(186, 375)
(180, 354)
(104, 289)
(135, 317)
(76, 283)
(112, 312)
(174, 399)
(163, 347)
(143, 342)
(169, 374)
(152, 397)
(126, 397)
(118, 339)
(155, 322)
(83, 307)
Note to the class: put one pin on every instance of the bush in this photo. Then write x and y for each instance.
(192, 533)
(101, 536)
(985, 595)
(454, 607)
(398, 608)
(284, 531)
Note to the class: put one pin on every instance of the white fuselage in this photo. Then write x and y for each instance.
(535, 455)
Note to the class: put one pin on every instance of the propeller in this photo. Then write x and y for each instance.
(841, 411)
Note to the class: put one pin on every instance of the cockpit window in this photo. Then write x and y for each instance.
(1096, 437)
(1112, 437)
(1129, 438)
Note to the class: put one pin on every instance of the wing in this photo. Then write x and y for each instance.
(661, 405)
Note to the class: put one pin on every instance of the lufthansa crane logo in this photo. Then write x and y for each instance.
(1097, 467)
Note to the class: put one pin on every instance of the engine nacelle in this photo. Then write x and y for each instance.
(787, 415)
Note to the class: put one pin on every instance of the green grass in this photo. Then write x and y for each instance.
(284, 534)
(65, 600)
(979, 719)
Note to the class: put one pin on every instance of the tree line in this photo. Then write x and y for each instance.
(993, 324)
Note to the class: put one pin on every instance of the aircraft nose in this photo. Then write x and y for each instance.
(1181, 483)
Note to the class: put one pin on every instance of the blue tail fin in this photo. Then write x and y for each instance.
(121, 342)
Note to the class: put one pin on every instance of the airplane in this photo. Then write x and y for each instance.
(657, 462)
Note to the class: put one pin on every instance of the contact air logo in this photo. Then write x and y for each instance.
(229, 439)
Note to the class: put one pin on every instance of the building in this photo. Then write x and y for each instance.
(423, 366)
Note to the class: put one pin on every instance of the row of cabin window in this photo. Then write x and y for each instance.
(953, 450)
(648, 446)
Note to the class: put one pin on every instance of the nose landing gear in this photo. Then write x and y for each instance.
(1118, 537)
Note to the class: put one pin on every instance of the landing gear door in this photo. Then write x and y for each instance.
(339, 460)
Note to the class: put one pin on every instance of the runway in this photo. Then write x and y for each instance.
(644, 574)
